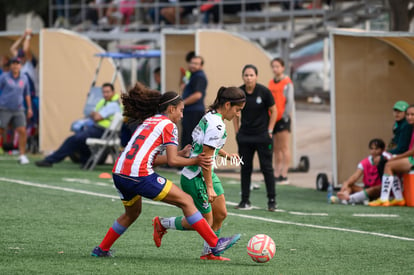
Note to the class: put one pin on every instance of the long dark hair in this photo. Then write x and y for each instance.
(234, 95)
(141, 102)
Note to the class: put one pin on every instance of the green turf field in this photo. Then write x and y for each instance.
(51, 218)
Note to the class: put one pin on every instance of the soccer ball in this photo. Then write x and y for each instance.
(261, 248)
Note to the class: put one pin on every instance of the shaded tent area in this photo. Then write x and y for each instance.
(67, 68)
(225, 54)
(371, 71)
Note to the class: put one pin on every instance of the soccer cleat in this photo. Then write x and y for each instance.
(210, 256)
(395, 202)
(43, 163)
(224, 244)
(379, 202)
(98, 252)
(244, 205)
(159, 231)
(23, 160)
(271, 205)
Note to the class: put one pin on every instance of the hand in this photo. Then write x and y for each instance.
(29, 113)
(185, 152)
(204, 161)
(234, 156)
(211, 194)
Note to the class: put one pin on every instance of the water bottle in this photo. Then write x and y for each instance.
(330, 193)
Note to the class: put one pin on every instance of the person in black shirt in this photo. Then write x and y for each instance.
(258, 119)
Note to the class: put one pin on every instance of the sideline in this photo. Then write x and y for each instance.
(66, 189)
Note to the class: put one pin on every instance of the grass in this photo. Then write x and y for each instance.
(52, 231)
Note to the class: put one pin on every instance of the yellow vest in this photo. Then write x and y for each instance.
(106, 122)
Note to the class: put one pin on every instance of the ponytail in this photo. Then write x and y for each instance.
(234, 95)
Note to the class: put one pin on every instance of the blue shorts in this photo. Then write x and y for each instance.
(131, 189)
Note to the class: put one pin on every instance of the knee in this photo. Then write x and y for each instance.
(220, 216)
(132, 217)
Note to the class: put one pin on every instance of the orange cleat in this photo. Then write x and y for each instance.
(210, 256)
(400, 202)
(159, 231)
(379, 202)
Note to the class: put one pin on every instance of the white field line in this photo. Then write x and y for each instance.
(377, 215)
(86, 181)
(229, 213)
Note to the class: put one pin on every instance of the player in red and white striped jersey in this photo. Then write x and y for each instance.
(133, 173)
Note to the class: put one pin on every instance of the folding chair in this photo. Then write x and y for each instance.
(109, 141)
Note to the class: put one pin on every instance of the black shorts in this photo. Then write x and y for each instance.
(282, 125)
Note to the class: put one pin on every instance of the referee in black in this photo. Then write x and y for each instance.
(258, 119)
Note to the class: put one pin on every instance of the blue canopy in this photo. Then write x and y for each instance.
(136, 54)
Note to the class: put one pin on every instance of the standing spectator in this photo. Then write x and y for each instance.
(100, 119)
(15, 87)
(402, 130)
(29, 61)
(258, 119)
(193, 96)
(185, 73)
(282, 90)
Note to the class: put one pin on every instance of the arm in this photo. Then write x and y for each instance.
(193, 98)
(29, 106)
(228, 156)
(352, 180)
(110, 109)
(236, 122)
(289, 94)
(162, 159)
(173, 159)
(272, 120)
(403, 141)
(26, 44)
(14, 49)
(207, 174)
(403, 155)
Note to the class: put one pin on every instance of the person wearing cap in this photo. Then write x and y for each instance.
(15, 87)
(401, 130)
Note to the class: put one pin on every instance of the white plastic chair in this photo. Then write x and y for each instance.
(109, 141)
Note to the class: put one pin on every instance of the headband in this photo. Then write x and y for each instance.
(170, 100)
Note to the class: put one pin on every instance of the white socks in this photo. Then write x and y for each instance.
(357, 197)
(387, 181)
(168, 223)
(396, 188)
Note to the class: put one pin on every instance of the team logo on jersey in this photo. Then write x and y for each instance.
(205, 204)
(161, 180)
(219, 127)
(258, 100)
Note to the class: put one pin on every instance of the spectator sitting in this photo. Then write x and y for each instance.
(402, 130)
(169, 12)
(399, 164)
(102, 117)
(212, 8)
(371, 173)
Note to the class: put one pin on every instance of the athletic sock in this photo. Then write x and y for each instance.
(358, 197)
(206, 247)
(386, 187)
(396, 188)
(172, 223)
(112, 235)
(201, 226)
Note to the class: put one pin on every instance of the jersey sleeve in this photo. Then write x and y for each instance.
(170, 134)
(360, 166)
(213, 135)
